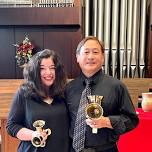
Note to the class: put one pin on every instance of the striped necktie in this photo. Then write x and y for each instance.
(80, 124)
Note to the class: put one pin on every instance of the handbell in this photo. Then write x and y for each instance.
(37, 140)
(94, 109)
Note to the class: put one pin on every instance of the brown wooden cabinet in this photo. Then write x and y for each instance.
(8, 144)
(8, 89)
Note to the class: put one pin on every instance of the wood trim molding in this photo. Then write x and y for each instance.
(40, 16)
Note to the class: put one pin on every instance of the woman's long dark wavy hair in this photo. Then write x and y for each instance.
(33, 83)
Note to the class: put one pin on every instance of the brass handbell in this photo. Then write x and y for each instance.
(37, 140)
(94, 109)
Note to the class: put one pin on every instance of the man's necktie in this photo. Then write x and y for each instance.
(80, 124)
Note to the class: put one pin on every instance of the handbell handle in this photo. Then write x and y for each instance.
(48, 131)
(94, 130)
(95, 98)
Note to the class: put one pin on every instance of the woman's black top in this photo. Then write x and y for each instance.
(24, 111)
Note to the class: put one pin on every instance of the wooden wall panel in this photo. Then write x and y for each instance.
(67, 41)
(35, 35)
(41, 16)
(59, 29)
(136, 87)
(7, 54)
(74, 67)
(149, 55)
(149, 41)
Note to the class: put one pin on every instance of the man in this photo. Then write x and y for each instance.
(119, 115)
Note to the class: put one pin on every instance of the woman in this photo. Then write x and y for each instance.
(40, 97)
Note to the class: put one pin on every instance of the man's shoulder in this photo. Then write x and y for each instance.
(112, 80)
(73, 82)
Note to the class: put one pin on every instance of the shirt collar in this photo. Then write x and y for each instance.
(94, 79)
